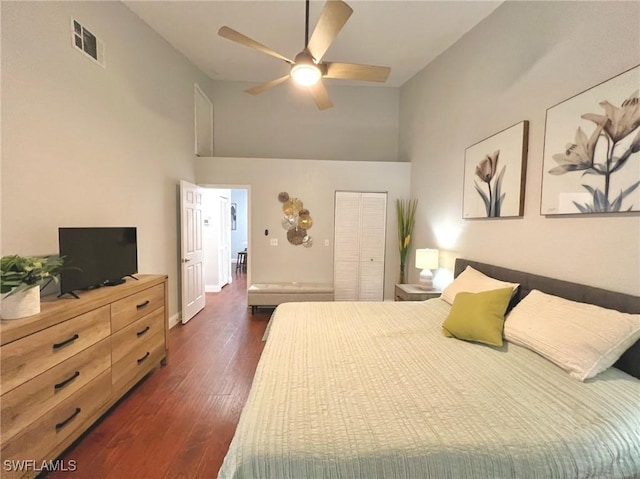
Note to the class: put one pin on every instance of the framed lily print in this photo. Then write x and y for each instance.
(592, 150)
(494, 174)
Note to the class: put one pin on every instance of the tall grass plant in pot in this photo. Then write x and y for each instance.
(406, 210)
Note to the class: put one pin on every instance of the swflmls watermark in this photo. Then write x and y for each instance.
(24, 465)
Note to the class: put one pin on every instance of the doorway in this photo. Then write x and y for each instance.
(225, 234)
(239, 230)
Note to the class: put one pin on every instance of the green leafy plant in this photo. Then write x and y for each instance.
(406, 210)
(18, 273)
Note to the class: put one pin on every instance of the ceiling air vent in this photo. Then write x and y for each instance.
(86, 42)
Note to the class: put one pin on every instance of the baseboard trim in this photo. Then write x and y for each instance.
(212, 288)
(174, 320)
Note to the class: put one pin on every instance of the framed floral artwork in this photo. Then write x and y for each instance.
(234, 211)
(494, 174)
(592, 150)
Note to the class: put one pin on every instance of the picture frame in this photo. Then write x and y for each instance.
(495, 173)
(234, 212)
(592, 150)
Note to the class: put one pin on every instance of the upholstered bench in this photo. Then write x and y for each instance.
(273, 294)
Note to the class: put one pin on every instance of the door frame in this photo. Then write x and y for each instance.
(238, 187)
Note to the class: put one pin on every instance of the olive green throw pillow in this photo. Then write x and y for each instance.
(478, 316)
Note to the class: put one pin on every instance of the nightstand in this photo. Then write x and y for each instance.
(411, 292)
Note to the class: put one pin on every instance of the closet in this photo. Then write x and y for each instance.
(360, 231)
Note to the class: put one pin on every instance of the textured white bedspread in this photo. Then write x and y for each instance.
(374, 390)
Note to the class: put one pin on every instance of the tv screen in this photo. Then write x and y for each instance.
(96, 257)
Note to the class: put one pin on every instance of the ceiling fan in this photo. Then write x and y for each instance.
(308, 68)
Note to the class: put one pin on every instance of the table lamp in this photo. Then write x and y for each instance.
(426, 260)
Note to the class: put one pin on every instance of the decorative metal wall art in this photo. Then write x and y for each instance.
(296, 220)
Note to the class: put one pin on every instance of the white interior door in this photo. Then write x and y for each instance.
(373, 225)
(346, 246)
(359, 246)
(191, 250)
(224, 251)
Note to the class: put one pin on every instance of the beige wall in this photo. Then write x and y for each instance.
(315, 183)
(285, 123)
(87, 146)
(522, 59)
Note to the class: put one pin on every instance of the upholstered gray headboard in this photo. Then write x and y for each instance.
(626, 303)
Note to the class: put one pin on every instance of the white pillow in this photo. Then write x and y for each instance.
(473, 281)
(581, 338)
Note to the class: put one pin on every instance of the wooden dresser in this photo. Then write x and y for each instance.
(63, 368)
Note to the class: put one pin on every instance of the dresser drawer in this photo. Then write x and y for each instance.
(29, 401)
(138, 361)
(59, 424)
(128, 339)
(25, 358)
(131, 308)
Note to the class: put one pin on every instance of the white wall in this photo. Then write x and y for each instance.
(522, 59)
(285, 123)
(315, 183)
(87, 146)
(239, 236)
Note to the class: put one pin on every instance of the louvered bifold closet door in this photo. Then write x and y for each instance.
(347, 246)
(360, 230)
(373, 221)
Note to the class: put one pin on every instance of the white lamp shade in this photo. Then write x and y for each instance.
(427, 258)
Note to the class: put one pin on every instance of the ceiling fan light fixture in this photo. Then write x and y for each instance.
(305, 75)
(304, 71)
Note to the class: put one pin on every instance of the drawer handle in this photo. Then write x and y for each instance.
(62, 424)
(140, 333)
(143, 357)
(62, 384)
(142, 305)
(65, 342)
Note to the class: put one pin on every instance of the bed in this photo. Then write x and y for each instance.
(375, 390)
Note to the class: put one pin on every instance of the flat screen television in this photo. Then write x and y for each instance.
(96, 256)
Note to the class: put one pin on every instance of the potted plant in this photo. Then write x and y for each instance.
(406, 210)
(20, 281)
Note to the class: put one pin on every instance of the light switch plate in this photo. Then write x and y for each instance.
(273, 241)
(326, 242)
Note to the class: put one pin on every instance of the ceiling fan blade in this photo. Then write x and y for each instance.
(234, 36)
(320, 96)
(353, 71)
(256, 90)
(333, 17)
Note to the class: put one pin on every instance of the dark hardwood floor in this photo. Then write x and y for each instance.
(179, 421)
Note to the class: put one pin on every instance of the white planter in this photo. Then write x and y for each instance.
(20, 305)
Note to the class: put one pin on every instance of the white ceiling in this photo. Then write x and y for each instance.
(404, 35)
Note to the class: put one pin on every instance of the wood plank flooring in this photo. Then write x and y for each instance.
(179, 421)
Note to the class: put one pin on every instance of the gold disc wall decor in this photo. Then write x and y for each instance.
(292, 206)
(305, 222)
(296, 236)
(296, 220)
(307, 241)
(283, 197)
(289, 222)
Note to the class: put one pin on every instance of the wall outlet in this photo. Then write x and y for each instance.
(273, 242)
(326, 242)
